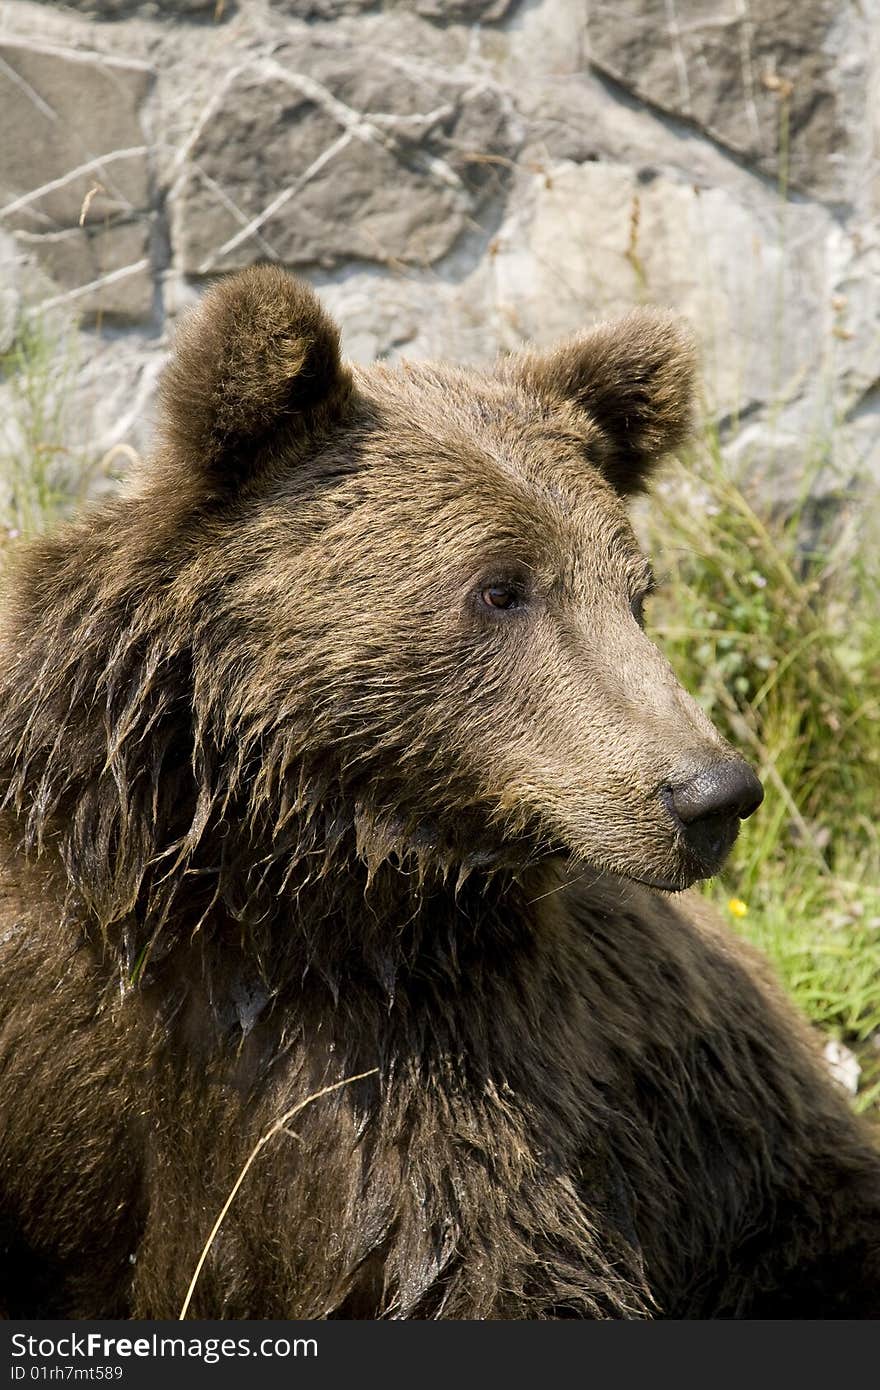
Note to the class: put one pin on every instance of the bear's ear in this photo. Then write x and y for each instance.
(256, 362)
(634, 378)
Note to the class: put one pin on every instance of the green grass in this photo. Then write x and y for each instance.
(42, 475)
(774, 624)
(770, 620)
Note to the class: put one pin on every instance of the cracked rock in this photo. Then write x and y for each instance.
(445, 11)
(74, 176)
(149, 9)
(326, 154)
(323, 9)
(106, 269)
(796, 368)
(765, 79)
(468, 11)
(589, 241)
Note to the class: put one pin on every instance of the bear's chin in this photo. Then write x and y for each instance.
(679, 884)
(689, 872)
(686, 865)
(672, 883)
(682, 873)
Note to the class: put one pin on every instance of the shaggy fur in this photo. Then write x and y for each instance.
(286, 800)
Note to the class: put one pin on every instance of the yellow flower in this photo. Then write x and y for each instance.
(737, 908)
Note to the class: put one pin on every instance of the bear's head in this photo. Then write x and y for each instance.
(392, 612)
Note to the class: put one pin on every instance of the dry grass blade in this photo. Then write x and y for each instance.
(279, 1125)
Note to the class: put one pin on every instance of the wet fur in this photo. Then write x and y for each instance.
(274, 816)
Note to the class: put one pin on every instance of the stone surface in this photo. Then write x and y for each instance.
(74, 171)
(417, 317)
(765, 77)
(445, 11)
(100, 271)
(158, 9)
(459, 176)
(471, 11)
(590, 240)
(11, 300)
(324, 9)
(118, 384)
(319, 155)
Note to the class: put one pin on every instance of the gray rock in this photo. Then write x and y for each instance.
(544, 40)
(592, 240)
(117, 390)
(765, 78)
(74, 171)
(11, 298)
(98, 271)
(324, 9)
(152, 9)
(571, 118)
(324, 154)
(458, 176)
(419, 317)
(468, 11)
(445, 11)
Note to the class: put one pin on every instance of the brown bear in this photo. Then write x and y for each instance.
(339, 776)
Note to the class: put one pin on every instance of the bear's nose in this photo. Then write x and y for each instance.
(709, 805)
(728, 789)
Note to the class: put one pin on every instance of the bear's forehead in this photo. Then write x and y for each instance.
(458, 427)
(484, 470)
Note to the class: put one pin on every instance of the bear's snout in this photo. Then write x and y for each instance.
(708, 805)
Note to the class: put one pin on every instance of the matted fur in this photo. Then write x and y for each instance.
(284, 802)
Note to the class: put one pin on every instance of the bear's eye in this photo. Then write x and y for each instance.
(500, 596)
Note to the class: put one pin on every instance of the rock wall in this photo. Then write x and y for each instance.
(458, 176)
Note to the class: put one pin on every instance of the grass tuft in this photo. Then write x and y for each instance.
(42, 476)
(773, 622)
